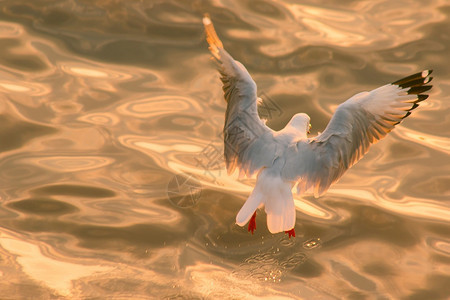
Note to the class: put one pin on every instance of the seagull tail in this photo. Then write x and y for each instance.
(280, 207)
(276, 195)
(211, 37)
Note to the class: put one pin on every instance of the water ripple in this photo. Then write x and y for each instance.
(106, 103)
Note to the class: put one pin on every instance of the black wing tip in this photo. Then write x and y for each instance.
(421, 98)
(407, 114)
(416, 84)
(414, 79)
(418, 90)
(415, 104)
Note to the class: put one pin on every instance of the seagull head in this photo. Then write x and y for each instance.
(300, 122)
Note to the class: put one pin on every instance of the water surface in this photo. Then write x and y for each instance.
(112, 180)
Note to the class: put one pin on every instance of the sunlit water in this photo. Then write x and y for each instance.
(111, 169)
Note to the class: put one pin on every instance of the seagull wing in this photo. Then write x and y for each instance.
(359, 122)
(249, 143)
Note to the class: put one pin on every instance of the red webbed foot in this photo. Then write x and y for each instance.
(291, 232)
(252, 223)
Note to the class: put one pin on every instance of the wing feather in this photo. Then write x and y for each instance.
(249, 143)
(358, 123)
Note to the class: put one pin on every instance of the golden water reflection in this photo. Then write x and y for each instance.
(107, 104)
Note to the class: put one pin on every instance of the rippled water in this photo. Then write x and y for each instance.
(112, 178)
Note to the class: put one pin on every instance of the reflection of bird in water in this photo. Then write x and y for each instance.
(288, 157)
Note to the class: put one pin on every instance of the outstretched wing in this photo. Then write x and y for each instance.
(358, 123)
(249, 143)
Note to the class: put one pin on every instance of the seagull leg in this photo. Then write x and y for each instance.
(252, 223)
(291, 232)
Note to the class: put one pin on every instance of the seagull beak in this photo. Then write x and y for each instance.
(309, 128)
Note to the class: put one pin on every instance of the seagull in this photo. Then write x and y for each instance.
(288, 158)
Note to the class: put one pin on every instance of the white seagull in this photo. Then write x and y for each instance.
(288, 157)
